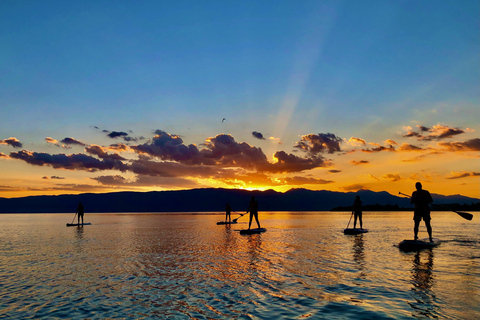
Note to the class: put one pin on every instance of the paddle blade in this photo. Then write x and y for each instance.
(464, 215)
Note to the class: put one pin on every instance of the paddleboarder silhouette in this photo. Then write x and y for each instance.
(357, 212)
(80, 212)
(228, 211)
(253, 208)
(421, 199)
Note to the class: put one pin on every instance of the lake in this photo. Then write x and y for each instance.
(184, 266)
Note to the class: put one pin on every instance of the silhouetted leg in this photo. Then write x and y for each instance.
(429, 229)
(250, 221)
(361, 222)
(415, 229)
(256, 218)
(355, 221)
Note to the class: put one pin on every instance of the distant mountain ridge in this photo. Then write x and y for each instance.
(209, 200)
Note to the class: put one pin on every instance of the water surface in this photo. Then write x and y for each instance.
(184, 266)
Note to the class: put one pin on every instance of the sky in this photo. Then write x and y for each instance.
(106, 96)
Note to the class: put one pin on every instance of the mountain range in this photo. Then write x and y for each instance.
(210, 200)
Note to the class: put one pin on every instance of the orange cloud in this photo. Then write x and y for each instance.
(12, 141)
(392, 177)
(51, 140)
(469, 145)
(463, 174)
(356, 141)
(359, 162)
(390, 142)
(354, 187)
(275, 140)
(437, 132)
(409, 147)
(379, 148)
(302, 180)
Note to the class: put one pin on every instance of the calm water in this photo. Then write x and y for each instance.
(184, 266)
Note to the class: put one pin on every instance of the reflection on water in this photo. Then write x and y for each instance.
(79, 233)
(187, 267)
(359, 254)
(423, 283)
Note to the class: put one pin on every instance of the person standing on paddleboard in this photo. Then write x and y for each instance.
(228, 211)
(253, 208)
(421, 198)
(357, 212)
(80, 212)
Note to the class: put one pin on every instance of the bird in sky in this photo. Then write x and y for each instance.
(223, 119)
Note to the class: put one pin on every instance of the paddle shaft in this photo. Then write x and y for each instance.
(241, 215)
(74, 217)
(464, 215)
(349, 220)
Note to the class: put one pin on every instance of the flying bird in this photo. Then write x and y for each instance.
(223, 119)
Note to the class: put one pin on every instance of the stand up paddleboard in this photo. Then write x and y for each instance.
(412, 245)
(253, 231)
(226, 222)
(78, 224)
(354, 231)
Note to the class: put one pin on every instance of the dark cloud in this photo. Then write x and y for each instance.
(258, 135)
(116, 134)
(291, 163)
(170, 147)
(319, 143)
(379, 149)
(70, 162)
(119, 147)
(123, 135)
(72, 141)
(12, 141)
(334, 171)
(111, 180)
(101, 153)
(437, 132)
(411, 134)
(174, 169)
(423, 128)
(409, 147)
(225, 151)
(469, 145)
(53, 177)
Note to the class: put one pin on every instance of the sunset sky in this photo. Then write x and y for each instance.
(104, 96)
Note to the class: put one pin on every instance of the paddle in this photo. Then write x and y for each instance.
(464, 215)
(241, 215)
(349, 220)
(74, 217)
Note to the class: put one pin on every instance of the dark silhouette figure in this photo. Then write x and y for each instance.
(421, 198)
(253, 208)
(80, 212)
(357, 212)
(228, 211)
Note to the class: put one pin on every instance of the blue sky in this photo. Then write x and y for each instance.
(285, 69)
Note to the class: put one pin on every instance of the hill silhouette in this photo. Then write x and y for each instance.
(209, 200)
